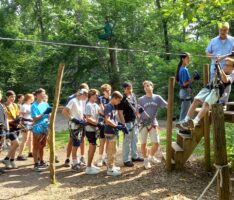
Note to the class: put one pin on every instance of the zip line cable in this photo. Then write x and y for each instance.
(92, 47)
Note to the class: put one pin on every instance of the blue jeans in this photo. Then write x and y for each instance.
(185, 97)
(130, 142)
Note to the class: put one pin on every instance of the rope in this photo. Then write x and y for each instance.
(93, 47)
(218, 172)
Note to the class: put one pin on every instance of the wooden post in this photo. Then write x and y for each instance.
(52, 123)
(220, 151)
(171, 85)
(206, 72)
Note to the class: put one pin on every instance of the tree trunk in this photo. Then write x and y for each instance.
(165, 32)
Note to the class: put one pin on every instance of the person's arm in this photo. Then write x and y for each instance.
(121, 116)
(91, 120)
(223, 76)
(108, 121)
(66, 113)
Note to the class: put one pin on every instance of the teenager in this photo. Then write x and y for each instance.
(127, 110)
(92, 114)
(40, 112)
(3, 125)
(13, 113)
(19, 100)
(25, 113)
(103, 100)
(149, 104)
(111, 128)
(69, 145)
(209, 95)
(74, 111)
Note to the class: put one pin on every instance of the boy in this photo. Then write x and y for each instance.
(209, 95)
(111, 129)
(103, 100)
(40, 111)
(74, 111)
(149, 103)
(92, 113)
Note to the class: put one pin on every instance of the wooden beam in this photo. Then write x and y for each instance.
(52, 123)
(206, 124)
(171, 85)
(220, 151)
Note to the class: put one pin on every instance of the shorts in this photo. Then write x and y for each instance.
(110, 137)
(76, 136)
(40, 139)
(209, 96)
(91, 136)
(153, 133)
(11, 136)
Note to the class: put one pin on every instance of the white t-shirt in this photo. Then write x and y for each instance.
(25, 109)
(92, 110)
(77, 111)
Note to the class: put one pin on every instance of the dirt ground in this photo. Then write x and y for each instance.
(134, 183)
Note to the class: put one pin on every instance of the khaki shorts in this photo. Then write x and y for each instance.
(208, 96)
(152, 132)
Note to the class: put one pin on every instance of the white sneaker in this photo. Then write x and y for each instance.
(147, 164)
(13, 165)
(98, 168)
(7, 163)
(91, 170)
(113, 172)
(116, 168)
(154, 160)
(99, 163)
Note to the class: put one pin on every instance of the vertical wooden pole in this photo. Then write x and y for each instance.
(206, 124)
(220, 151)
(171, 85)
(52, 123)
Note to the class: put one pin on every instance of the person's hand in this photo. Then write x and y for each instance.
(48, 111)
(125, 130)
(141, 110)
(78, 122)
(100, 125)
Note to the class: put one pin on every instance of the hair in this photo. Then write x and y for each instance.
(93, 92)
(148, 82)
(39, 91)
(10, 93)
(83, 86)
(127, 84)
(105, 87)
(116, 95)
(182, 56)
(19, 96)
(223, 25)
(28, 96)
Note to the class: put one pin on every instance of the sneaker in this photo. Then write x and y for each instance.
(36, 168)
(113, 172)
(30, 155)
(56, 159)
(21, 158)
(188, 125)
(95, 167)
(128, 164)
(138, 159)
(116, 168)
(82, 161)
(91, 170)
(43, 164)
(154, 160)
(76, 167)
(67, 163)
(99, 163)
(147, 164)
(6, 163)
(13, 165)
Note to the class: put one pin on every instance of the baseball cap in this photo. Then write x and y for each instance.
(83, 91)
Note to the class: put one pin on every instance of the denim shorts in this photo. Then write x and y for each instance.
(208, 96)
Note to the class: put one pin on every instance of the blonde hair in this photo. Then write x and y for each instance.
(224, 25)
(105, 87)
(28, 96)
(230, 60)
(148, 82)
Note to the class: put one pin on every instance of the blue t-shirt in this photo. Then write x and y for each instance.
(41, 125)
(110, 111)
(184, 75)
(103, 100)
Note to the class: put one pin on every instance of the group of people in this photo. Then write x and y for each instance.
(103, 116)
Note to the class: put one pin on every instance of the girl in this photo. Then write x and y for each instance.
(25, 111)
(184, 79)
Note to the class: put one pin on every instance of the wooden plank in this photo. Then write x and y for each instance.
(220, 151)
(230, 106)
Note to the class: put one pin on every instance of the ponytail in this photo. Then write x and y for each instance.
(182, 56)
